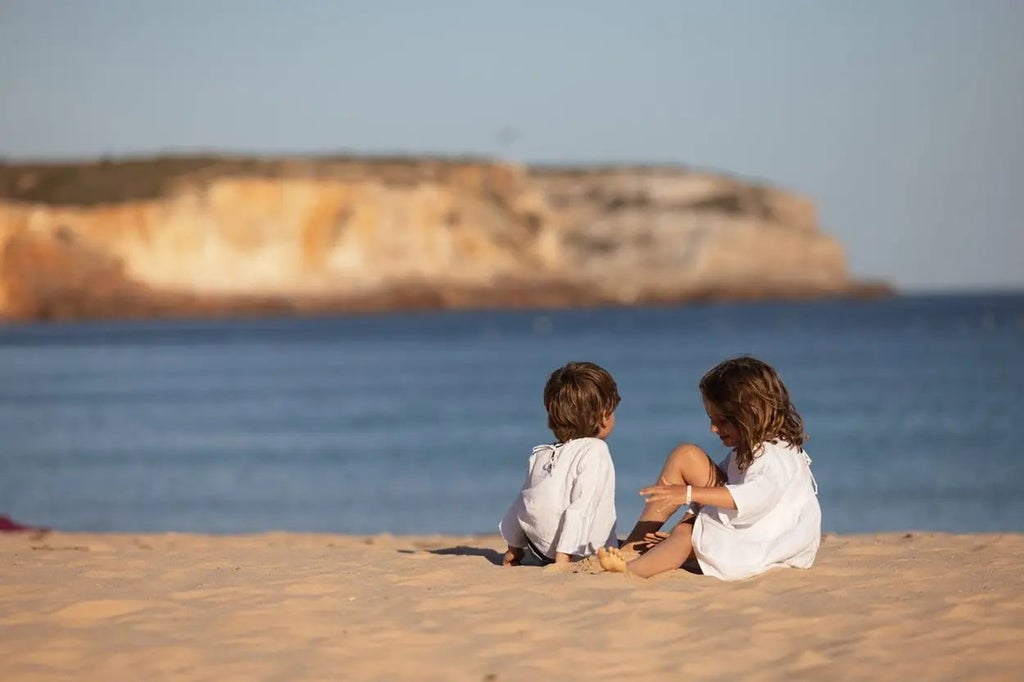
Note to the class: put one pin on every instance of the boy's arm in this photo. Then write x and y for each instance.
(513, 556)
(512, 531)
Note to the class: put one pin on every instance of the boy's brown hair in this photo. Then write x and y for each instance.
(578, 397)
(750, 395)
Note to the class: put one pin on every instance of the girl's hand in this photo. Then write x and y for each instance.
(665, 495)
(650, 540)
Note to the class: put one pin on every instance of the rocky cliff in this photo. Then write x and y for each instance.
(199, 236)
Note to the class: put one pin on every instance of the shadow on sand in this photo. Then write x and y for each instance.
(491, 555)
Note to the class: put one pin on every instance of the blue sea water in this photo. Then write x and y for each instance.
(422, 423)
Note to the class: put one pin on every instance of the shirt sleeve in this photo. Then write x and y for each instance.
(593, 472)
(760, 491)
(510, 528)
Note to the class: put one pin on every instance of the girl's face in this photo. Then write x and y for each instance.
(724, 429)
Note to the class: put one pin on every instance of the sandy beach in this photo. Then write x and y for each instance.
(288, 606)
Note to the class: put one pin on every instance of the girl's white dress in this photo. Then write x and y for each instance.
(777, 520)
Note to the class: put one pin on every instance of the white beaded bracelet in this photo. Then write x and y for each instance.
(689, 493)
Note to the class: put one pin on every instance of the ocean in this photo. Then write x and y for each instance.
(423, 422)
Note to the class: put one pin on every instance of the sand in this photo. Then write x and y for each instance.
(331, 607)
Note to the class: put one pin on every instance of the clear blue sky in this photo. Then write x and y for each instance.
(903, 119)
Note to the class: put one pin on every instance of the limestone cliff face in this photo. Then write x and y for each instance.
(656, 233)
(209, 236)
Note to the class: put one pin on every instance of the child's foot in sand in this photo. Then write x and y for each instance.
(611, 559)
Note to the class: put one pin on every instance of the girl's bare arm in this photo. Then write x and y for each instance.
(675, 495)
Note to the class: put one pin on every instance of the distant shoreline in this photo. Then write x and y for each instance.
(245, 308)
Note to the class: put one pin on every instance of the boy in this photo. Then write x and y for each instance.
(566, 508)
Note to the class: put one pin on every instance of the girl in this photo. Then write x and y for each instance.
(757, 509)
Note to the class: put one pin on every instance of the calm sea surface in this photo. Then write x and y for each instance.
(422, 423)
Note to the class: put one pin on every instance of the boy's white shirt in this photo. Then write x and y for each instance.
(777, 520)
(567, 503)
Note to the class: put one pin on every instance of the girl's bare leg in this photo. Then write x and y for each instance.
(667, 555)
(688, 464)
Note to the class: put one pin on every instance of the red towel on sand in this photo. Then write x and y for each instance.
(9, 524)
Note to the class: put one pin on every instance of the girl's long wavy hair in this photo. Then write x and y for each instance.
(750, 395)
